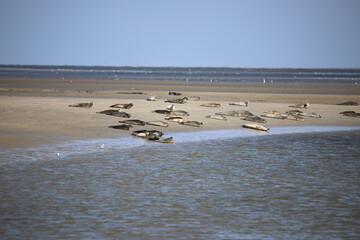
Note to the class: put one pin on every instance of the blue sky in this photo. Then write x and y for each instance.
(253, 33)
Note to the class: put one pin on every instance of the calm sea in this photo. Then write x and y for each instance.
(216, 74)
(290, 183)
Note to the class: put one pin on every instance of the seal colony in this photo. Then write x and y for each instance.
(163, 117)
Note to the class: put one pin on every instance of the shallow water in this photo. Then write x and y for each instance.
(290, 183)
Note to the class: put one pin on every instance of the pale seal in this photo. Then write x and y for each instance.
(255, 127)
(217, 117)
(192, 123)
(166, 140)
(158, 123)
(82, 105)
(213, 105)
(241, 103)
(175, 119)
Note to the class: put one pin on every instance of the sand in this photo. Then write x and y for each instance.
(36, 111)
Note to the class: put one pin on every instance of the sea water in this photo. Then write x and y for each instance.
(290, 183)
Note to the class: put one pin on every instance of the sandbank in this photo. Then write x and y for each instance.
(36, 111)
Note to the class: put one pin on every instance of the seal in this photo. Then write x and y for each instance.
(351, 114)
(348, 103)
(166, 140)
(177, 100)
(175, 119)
(192, 123)
(301, 105)
(255, 127)
(160, 111)
(213, 105)
(241, 103)
(194, 98)
(254, 119)
(116, 113)
(175, 93)
(82, 105)
(158, 123)
(151, 98)
(178, 113)
(236, 113)
(124, 105)
(121, 127)
(148, 134)
(217, 117)
(304, 114)
(134, 122)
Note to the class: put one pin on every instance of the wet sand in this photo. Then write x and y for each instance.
(36, 111)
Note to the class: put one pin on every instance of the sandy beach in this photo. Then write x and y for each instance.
(36, 111)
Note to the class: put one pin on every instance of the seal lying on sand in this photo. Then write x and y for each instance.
(133, 122)
(348, 103)
(116, 113)
(151, 98)
(178, 113)
(236, 113)
(122, 126)
(351, 114)
(160, 111)
(194, 98)
(254, 119)
(175, 119)
(148, 134)
(242, 103)
(282, 116)
(255, 126)
(175, 93)
(125, 105)
(82, 105)
(158, 123)
(304, 114)
(177, 100)
(217, 117)
(301, 105)
(213, 105)
(192, 123)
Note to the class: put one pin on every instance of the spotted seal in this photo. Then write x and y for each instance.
(122, 105)
(148, 134)
(177, 100)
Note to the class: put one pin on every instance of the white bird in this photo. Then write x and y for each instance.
(58, 154)
(102, 146)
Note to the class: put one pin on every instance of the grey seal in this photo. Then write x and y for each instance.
(122, 105)
(175, 93)
(82, 105)
(254, 119)
(177, 100)
(148, 134)
(351, 114)
(116, 113)
(192, 123)
(348, 103)
(122, 126)
(158, 123)
(134, 122)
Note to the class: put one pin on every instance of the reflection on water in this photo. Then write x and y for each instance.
(270, 186)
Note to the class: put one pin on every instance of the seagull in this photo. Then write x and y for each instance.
(58, 154)
(102, 146)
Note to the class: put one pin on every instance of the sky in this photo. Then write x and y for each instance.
(215, 33)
